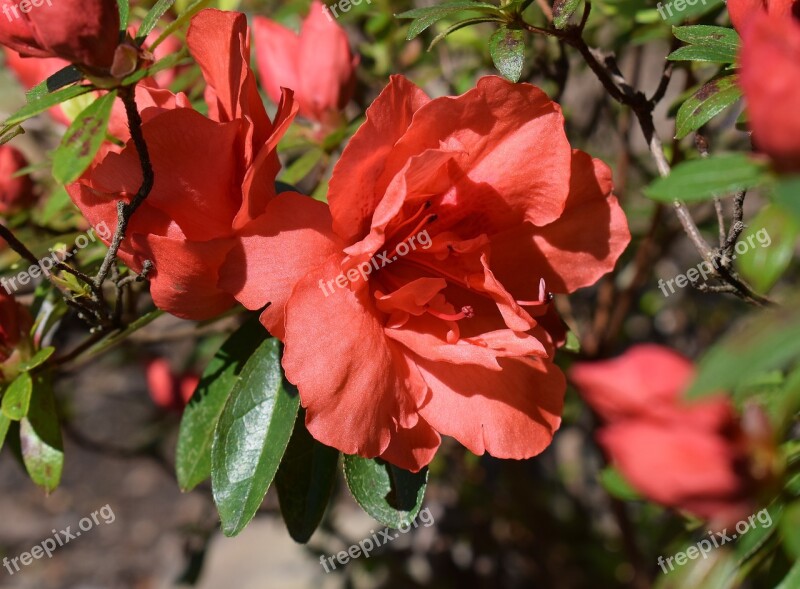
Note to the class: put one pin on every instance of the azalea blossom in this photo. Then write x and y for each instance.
(770, 79)
(317, 64)
(202, 196)
(690, 456)
(452, 339)
(83, 32)
(167, 389)
(16, 192)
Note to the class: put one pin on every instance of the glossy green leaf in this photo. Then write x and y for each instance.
(705, 104)
(17, 397)
(702, 179)
(507, 47)
(757, 535)
(563, 11)
(425, 17)
(251, 437)
(38, 359)
(391, 495)
(82, 140)
(305, 481)
(460, 25)
(151, 20)
(40, 437)
(193, 454)
(767, 247)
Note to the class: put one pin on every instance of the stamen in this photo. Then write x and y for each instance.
(467, 312)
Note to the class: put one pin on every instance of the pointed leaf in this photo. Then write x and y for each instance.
(391, 495)
(40, 437)
(17, 398)
(425, 17)
(193, 454)
(251, 437)
(83, 140)
(705, 104)
(305, 482)
(507, 47)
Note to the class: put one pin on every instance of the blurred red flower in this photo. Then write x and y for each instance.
(213, 174)
(686, 456)
(15, 193)
(14, 322)
(168, 390)
(467, 211)
(317, 64)
(83, 32)
(742, 12)
(770, 79)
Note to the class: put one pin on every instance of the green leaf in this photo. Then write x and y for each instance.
(251, 437)
(759, 533)
(460, 25)
(507, 47)
(787, 195)
(768, 342)
(792, 580)
(82, 140)
(305, 481)
(770, 241)
(38, 359)
(151, 20)
(707, 43)
(185, 16)
(302, 166)
(63, 77)
(617, 486)
(5, 422)
(44, 103)
(40, 437)
(702, 179)
(193, 455)
(425, 17)
(563, 11)
(705, 104)
(124, 14)
(790, 530)
(391, 495)
(17, 398)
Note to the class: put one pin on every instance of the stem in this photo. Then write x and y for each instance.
(126, 210)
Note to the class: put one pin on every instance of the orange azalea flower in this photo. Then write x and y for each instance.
(694, 456)
(317, 64)
(213, 174)
(417, 304)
